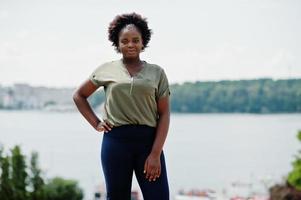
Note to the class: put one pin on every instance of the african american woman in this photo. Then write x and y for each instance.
(136, 113)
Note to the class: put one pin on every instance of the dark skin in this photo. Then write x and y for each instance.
(130, 45)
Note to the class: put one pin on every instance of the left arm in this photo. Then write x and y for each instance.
(152, 166)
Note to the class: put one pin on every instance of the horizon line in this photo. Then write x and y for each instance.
(171, 83)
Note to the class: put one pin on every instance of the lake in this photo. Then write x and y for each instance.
(202, 151)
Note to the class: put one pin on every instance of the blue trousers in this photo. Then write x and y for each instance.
(124, 150)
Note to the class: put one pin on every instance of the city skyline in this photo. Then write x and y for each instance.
(59, 44)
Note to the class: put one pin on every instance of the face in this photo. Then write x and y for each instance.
(130, 42)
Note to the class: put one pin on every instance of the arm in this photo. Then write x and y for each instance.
(152, 166)
(80, 99)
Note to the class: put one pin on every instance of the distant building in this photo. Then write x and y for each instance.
(25, 97)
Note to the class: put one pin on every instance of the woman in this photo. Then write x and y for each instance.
(136, 117)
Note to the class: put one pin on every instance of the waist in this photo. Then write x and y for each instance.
(130, 132)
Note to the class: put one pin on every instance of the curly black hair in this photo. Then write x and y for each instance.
(120, 21)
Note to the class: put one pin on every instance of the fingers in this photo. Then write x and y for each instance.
(158, 173)
(152, 172)
(152, 175)
(104, 126)
(108, 123)
(145, 167)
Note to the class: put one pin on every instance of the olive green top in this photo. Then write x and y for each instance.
(131, 99)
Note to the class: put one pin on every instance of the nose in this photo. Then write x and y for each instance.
(130, 44)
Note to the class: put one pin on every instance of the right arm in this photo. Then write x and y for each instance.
(80, 99)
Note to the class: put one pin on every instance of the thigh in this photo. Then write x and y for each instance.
(117, 166)
(151, 190)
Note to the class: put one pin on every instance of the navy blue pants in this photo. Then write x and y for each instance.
(124, 150)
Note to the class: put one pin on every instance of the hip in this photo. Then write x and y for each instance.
(132, 133)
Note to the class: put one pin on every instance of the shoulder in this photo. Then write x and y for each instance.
(107, 66)
(155, 68)
(156, 73)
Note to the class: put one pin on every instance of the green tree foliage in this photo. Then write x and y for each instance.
(244, 96)
(60, 189)
(36, 180)
(291, 189)
(16, 183)
(5, 183)
(294, 177)
(19, 174)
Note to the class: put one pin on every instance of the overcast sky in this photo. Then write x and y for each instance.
(59, 43)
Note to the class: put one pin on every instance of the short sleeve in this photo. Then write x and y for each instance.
(97, 76)
(163, 86)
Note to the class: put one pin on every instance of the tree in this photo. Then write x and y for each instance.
(294, 177)
(17, 184)
(60, 189)
(19, 174)
(253, 96)
(5, 184)
(291, 189)
(36, 180)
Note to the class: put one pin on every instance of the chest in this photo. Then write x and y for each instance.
(142, 84)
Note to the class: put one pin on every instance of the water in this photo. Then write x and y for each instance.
(202, 150)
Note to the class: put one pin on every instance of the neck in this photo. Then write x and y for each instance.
(131, 61)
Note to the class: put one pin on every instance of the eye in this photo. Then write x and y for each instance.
(124, 41)
(136, 41)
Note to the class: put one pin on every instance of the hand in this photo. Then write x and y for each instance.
(152, 167)
(104, 126)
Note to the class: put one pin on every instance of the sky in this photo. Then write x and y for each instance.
(59, 43)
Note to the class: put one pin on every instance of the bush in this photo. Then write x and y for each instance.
(60, 189)
(291, 189)
(17, 182)
(294, 177)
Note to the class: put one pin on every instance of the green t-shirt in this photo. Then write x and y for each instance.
(131, 100)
